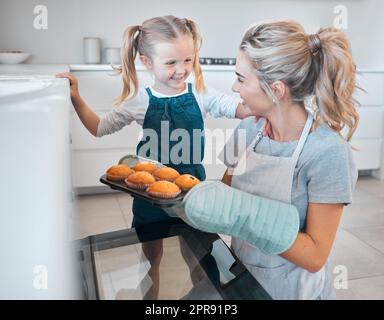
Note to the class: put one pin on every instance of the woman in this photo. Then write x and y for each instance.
(296, 164)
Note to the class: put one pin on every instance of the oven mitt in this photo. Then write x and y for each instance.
(212, 206)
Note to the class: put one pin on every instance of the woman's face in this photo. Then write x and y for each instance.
(248, 86)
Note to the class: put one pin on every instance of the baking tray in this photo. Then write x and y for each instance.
(131, 160)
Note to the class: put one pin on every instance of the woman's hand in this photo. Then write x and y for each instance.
(73, 84)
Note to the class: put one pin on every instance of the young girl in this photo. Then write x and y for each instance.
(168, 47)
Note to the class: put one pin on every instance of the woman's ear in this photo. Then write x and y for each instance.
(147, 62)
(279, 89)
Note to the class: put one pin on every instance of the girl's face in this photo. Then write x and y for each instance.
(248, 86)
(171, 64)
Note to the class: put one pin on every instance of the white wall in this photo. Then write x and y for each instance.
(222, 23)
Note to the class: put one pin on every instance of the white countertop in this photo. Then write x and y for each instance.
(35, 69)
(56, 68)
(107, 67)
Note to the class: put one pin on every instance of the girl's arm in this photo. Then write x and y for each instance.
(219, 104)
(312, 247)
(87, 116)
(243, 111)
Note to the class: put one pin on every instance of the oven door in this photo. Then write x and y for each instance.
(163, 261)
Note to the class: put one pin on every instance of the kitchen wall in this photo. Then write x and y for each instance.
(222, 23)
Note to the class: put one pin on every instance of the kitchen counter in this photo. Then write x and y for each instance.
(35, 69)
(56, 68)
(139, 67)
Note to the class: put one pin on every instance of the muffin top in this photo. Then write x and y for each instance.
(186, 181)
(166, 173)
(163, 187)
(145, 166)
(141, 177)
(120, 170)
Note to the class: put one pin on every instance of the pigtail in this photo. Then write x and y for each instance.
(336, 82)
(199, 79)
(128, 69)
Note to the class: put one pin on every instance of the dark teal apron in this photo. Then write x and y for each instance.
(180, 112)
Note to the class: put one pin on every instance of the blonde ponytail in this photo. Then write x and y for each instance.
(199, 80)
(336, 82)
(128, 69)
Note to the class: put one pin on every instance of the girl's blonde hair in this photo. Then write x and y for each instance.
(141, 39)
(320, 64)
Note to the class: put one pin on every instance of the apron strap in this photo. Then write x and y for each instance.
(149, 92)
(303, 137)
(190, 87)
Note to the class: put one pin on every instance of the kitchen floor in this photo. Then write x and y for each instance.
(357, 258)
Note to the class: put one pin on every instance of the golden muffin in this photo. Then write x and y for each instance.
(163, 189)
(119, 172)
(186, 182)
(140, 180)
(167, 174)
(145, 166)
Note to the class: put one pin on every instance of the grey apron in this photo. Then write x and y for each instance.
(271, 177)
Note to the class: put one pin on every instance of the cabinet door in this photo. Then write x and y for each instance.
(90, 165)
(83, 140)
(368, 155)
(101, 88)
(370, 124)
(373, 84)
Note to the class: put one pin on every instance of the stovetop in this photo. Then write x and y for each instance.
(217, 61)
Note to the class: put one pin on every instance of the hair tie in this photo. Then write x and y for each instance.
(314, 43)
(140, 28)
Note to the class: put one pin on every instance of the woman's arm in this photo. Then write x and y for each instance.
(312, 247)
(87, 116)
(227, 178)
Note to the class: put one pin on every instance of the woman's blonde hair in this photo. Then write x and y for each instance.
(320, 64)
(141, 39)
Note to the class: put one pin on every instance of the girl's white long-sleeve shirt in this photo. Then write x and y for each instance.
(213, 102)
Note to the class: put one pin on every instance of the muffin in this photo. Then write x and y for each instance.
(163, 189)
(167, 174)
(119, 172)
(145, 166)
(140, 180)
(186, 182)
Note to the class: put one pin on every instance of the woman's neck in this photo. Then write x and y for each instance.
(287, 121)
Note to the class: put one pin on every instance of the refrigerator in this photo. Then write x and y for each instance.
(36, 199)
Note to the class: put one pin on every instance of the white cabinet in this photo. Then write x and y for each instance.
(368, 138)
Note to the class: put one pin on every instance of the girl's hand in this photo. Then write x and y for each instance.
(243, 111)
(73, 83)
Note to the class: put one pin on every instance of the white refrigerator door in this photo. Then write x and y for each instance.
(35, 189)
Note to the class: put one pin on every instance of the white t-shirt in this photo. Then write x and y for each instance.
(212, 102)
